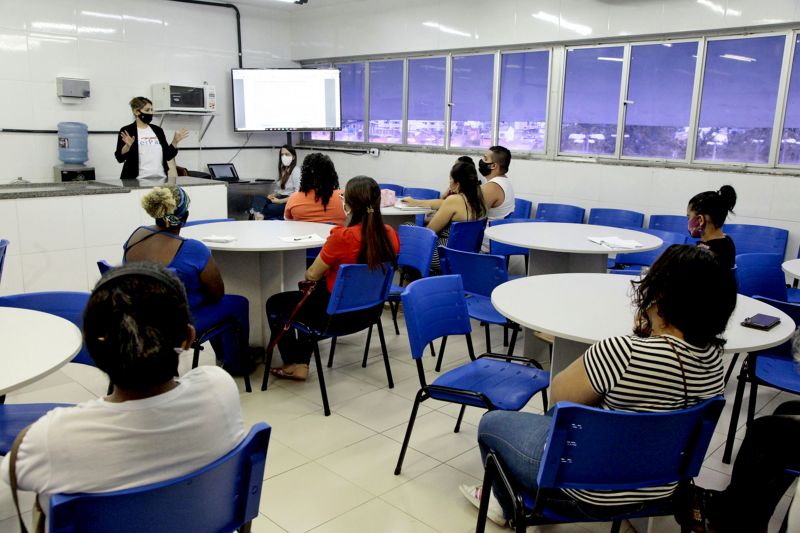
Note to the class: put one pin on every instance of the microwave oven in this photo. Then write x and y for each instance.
(195, 98)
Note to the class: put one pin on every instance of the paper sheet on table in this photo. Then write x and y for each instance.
(218, 238)
(616, 242)
(311, 237)
(401, 205)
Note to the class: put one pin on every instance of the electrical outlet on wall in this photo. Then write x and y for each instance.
(374, 152)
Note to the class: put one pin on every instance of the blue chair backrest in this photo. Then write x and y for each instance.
(434, 307)
(649, 257)
(206, 221)
(104, 266)
(419, 193)
(416, 248)
(499, 248)
(560, 213)
(598, 449)
(467, 235)
(522, 208)
(751, 239)
(357, 287)
(480, 273)
(676, 223)
(617, 218)
(793, 310)
(3, 247)
(219, 497)
(398, 189)
(761, 274)
(65, 304)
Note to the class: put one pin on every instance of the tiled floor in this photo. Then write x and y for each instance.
(335, 474)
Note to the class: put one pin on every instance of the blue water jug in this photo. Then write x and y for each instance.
(73, 142)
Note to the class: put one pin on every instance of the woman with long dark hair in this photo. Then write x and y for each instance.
(288, 183)
(365, 240)
(318, 199)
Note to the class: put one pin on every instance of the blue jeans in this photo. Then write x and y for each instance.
(519, 440)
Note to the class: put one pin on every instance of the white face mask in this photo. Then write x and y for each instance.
(286, 160)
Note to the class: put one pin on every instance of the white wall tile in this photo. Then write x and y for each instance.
(51, 17)
(9, 227)
(100, 19)
(55, 271)
(109, 218)
(208, 201)
(543, 27)
(51, 56)
(636, 18)
(50, 224)
(143, 22)
(112, 254)
(16, 153)
(11, 280)
(752, 11)
(14, 17)
(186, 26)
(14, 51)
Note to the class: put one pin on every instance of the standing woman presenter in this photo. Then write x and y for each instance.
(141, 147)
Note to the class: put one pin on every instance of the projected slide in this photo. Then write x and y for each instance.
(286, 99)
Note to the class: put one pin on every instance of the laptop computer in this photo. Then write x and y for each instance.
(223, 172)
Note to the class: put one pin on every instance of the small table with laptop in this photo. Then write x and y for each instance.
(240, 191)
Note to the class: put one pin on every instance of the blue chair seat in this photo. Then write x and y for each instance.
(779, 372)
(507, 386)
(793, 296)
(394, 293)
(481, 309)
(16, 417)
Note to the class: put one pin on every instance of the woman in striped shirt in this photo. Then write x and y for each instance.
(673, 360)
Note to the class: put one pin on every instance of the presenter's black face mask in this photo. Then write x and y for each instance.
(483, 168)
(147, 118)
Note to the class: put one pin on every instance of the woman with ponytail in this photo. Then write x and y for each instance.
(365, 240)
(707, 212)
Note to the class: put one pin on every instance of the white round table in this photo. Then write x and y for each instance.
(34, 345)
(396, 216)
(581, 309)
(258, 263)
(792, 267)
(557, 247)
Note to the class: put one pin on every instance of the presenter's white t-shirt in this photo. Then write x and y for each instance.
(150, 154)
(100, 446)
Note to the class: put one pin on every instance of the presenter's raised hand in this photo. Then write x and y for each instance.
(179, 136)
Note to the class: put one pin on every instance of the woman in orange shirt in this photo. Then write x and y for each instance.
(317, 176)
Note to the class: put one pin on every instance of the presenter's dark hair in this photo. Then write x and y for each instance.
(136, 317)
(465, 175)
(693, 291)
(319, 175)
(285, 172)
(715, 204)
(502, 156)
(363, 196)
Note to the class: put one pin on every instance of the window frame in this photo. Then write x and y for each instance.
(365, 110)
(449, 101)
(445, 98)
(783, 100)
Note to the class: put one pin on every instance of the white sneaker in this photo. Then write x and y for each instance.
(473, 494)
(258, 216)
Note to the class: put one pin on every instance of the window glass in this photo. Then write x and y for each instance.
(386, 101)
(659, 103)
(740, 88)
(352, 102)
(523, 100)
(591, 100)
(426, 95)
(790, 140)
(471, 113)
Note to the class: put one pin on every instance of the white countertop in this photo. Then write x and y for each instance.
(589, 307)
(568, 238)
(259, 235)
(792, 267)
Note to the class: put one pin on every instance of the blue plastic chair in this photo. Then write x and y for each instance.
(398, 189)
(436, 307)
(16, 417)
(480, 275)
(206, 221)
(357, 288)
(416, 252)
(596, 449)
(616, 218)
(522, 208)
(104, 266)
(674, 223)
(761, 274)
(221, 497)
(506, 250)
(3, 248)
(774, 367)
(560, 213)
(467, 236)
(750, 238)
(632, 263)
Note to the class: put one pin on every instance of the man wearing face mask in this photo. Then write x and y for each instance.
(141, 147)
(498, 192)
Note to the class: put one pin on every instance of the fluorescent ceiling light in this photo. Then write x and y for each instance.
(446, 29)
(738, 58)
(602, 58)
(561, 22)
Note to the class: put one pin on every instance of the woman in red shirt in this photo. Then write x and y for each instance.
(319, 198)
(365, 240)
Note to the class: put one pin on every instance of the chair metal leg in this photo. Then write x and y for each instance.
(486, 492)
(246, 527)
(417, 400)
(751, 404)
(615, 525)
(441, 354)
(3, 397)
(730, 368)
(366, 348)
(196, 356)
(433, 350)
(488, 338)
(737, 405)
(318, 361)
(267, 366)
(505, 335)
(395, 307)
(333, 349)
(385, 355)
(460, 418)
(513, 343)
(544, 399)
(247, 386)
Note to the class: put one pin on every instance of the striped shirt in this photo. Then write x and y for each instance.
(642, 374)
